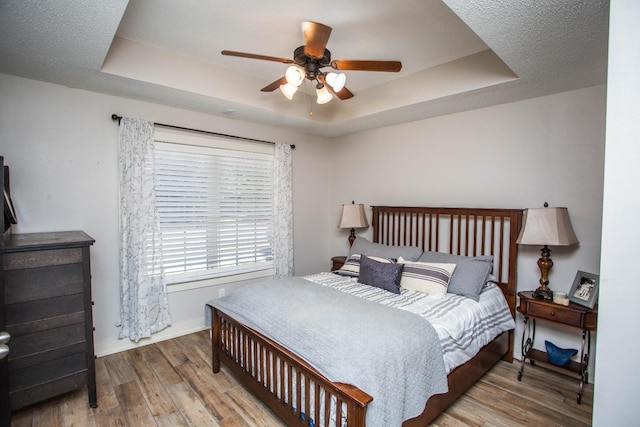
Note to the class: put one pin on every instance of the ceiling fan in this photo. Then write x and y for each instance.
(308, 61)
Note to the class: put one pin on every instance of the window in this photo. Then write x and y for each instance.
(215, 204)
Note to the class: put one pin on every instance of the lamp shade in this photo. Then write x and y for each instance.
(547, 227)
(353, 216)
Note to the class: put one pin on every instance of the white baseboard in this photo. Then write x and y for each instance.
(104, 348)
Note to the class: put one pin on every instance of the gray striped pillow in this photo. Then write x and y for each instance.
(351, 267)
(426, 277)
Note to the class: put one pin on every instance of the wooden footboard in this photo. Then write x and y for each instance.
(273, 374)
(292, 388)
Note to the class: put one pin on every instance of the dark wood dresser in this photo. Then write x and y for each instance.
(46, 282)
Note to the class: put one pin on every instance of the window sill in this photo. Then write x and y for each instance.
(204, 283)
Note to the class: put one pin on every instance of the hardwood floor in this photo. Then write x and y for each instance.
(171, 384)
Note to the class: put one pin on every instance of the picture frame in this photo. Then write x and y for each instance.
(584, 289)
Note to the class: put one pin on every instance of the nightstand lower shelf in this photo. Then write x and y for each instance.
(579, 368)
(541, 356)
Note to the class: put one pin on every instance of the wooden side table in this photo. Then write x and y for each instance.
(573, 316)
(337, 262)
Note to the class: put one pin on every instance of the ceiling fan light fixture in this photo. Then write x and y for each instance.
(294, 75)
(288, 90)
(337, 81)
(323, 94)
(308, 62)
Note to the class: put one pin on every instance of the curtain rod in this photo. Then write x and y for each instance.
(118, 118)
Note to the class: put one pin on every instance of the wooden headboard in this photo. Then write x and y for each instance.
(459, 231)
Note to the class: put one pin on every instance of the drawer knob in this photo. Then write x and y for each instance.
(553, 313)
(4, 337)
(4, 351)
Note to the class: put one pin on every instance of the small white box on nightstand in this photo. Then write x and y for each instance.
(560, 298)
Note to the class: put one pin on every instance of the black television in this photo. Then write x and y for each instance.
(9, 217)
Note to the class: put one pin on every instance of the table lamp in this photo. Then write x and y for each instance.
(353, 217)
(547, 227)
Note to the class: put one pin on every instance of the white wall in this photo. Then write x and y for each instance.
(616, 394)
(515, 155)
(62, 149)
(61, 146)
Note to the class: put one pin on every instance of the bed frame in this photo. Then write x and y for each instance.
(273, 373)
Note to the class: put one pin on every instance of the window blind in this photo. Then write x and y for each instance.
(215, 208)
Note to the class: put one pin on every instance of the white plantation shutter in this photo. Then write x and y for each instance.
(216, 208)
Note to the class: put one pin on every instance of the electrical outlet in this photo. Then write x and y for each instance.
(221, 292)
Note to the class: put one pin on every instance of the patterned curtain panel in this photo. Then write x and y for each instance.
(283, 212)
(144, 306)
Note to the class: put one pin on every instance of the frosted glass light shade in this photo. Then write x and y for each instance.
(288, 90)
(323, 95)
(337, 81)
(294, 75)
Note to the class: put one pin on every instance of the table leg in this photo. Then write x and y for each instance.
(528, 332)
(584, 362)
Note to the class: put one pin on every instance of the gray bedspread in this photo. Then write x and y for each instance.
(396, 357)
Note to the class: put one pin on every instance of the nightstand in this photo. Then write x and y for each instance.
(337, 262)
(572, 316)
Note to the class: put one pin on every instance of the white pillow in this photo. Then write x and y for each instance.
(427, 277)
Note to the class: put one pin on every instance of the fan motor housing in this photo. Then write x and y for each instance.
(311, 64)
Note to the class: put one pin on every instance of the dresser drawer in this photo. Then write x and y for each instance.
(26, 383)
(46, 390)
(43, 282)
(43, 345)
(32, 259)
(555, 314)
(44, 315)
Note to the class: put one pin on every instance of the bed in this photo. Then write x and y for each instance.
(302, 394)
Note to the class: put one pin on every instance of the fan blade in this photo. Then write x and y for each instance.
(275, 85)
(345, 64)
(254, 56)
(344, 92)
(316, 36)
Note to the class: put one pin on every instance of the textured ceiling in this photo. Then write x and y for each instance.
(456, 54)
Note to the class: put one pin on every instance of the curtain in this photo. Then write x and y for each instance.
(144, 306)
(283, 212)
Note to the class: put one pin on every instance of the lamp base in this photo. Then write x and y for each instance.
(352, 236)
(543, 293)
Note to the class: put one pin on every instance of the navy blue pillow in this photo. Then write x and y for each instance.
(382, 275)
(559, 356)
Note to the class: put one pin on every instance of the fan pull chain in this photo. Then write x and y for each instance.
(310, 105)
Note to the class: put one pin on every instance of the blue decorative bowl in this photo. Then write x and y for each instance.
(559, 356)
